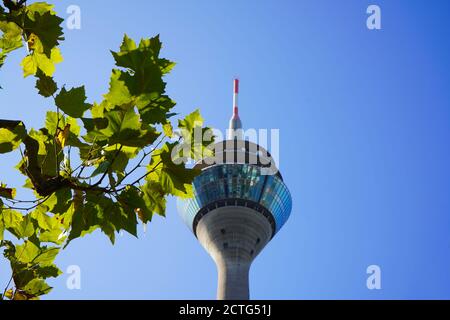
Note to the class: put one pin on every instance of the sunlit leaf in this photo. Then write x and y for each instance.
(37, 287)
(168, 129)
(174, 178)
(62, 135)
(11, 135)
(9, 294)
(124, 127)
(118, 94)
(10, 40)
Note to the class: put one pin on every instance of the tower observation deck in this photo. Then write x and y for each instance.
(240, 202)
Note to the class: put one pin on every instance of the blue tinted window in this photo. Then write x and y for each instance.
(238, 181)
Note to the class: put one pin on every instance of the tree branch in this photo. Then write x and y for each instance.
(142, 177)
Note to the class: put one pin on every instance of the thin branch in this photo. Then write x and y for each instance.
(106, 171)
(22, 201)
(40, 201)
(142, 177)
(24, 35)
(82, 165)
(74, 186)
(145, 154)
(55, 137)
(141, 160)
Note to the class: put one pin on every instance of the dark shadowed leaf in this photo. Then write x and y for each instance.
(72, 102)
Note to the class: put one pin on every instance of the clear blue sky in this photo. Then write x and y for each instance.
(364, 119)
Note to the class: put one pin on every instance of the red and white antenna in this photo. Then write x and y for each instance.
(235, 128)
(235, 97)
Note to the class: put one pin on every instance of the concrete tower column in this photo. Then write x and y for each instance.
(233, 282)
(233, 236)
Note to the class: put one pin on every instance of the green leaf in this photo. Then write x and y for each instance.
(46, 25)
(46, 256)
(124, 123)
(30, 265)
(72, 102)
(99, 211)
(2, 223)
(94, 124)
(9, 294)
(29, 65)
(128, 44)
(133, 199)
(174, 178)
(59, 201)
(119, 159)
(168, 129)
(26, 252)
(121, 219)
(45, 222)
(51, 227)
(195, 136)
(102, 168)
(25, 229)
(11, 135)
(8, 193)
(45, 84)
(55, 236)
(114, 218)
(154, 197)
(125, 128)
(20, 226)
(2, 61)
(166, 65)
(143, 61)
(10, 40)
(40, 61)
(50, 271)
(49, 155)
(53, 125)
(11, 219)
(37, 287)
(118, 94)
(129, 56)
(85, 219)
(191, 121)
(40, 8)
(155, 110)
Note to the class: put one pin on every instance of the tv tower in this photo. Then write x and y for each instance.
(240, 202)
